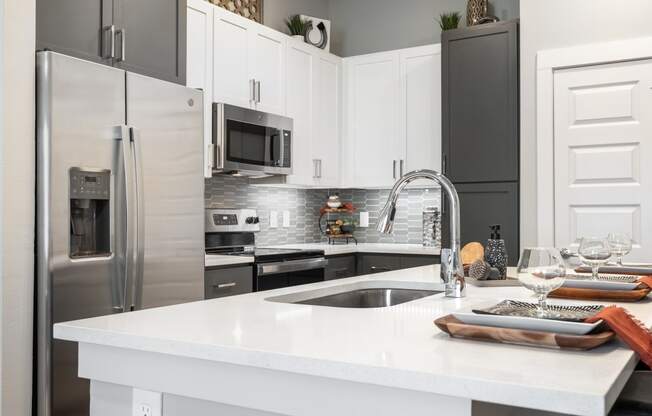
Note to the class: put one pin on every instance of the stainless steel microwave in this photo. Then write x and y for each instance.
(251, 143)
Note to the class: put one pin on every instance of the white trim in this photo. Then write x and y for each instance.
(549, 61)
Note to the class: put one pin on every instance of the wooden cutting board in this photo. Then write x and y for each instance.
(457, 329)
(471, 253)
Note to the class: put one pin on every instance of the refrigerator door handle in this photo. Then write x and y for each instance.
(137, 300)
(126, 223)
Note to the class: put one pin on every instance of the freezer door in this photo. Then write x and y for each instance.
(79, 108)
(167, 129)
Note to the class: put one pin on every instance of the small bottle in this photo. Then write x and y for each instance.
(496, 252)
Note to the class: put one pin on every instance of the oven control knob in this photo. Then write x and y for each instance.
(250, 220)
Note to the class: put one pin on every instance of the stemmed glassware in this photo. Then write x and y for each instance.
(620, 245)
(541, 270)
(595, 252)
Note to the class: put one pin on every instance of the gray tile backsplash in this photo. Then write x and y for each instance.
(304, 205)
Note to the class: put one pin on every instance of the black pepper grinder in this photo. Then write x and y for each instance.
(496, 252)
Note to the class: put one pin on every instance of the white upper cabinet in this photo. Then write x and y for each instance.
(300, 100)
(199, 64)
(326, 120)
(232, 81)
(420, 107)
(392, 116)
(371, 147)
(248, 63)
(267, 68)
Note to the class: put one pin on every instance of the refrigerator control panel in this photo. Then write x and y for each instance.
(90, 184)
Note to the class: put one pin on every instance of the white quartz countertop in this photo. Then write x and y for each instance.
(216, 260)
(382, 248)
(397, 347)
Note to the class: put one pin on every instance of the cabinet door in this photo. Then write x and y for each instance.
(75, 27)
(220, 283)
(267, 67)
(151, 38)
(326, 121)
(480, 103)
(417, 261)
(231, 78)
(340, 267)
(482, 205)
(420, 108)
(300, 99)
(378, 263)
(199, 66)
(373, 83)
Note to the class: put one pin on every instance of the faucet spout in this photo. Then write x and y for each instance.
(452, 272)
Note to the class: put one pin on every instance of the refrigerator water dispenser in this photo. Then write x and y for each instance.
(90, 218)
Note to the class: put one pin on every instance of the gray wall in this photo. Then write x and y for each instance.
(366, 26)
(554, 24)
(276, 11)
(304, 205)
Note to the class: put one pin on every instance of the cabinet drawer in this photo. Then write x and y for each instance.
(417, 261)
(340, 267)
(378, 263)
(228, 282)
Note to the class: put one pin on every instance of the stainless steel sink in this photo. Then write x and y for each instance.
(369, 298)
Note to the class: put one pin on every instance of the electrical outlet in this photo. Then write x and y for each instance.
(144, 410)
(286, 219)
(146, 403)
(273, 219)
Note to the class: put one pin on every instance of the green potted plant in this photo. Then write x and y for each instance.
(448, 21)
(297, 26)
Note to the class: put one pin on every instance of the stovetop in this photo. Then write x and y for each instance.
(263, 254)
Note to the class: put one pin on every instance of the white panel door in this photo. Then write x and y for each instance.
(603, 149)
(372, 120)
(300, 99)
(267, 52)
(231, 77)
(326, 120)
(420, 123)
(199, 66)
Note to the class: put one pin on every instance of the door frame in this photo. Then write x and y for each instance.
(549, 61)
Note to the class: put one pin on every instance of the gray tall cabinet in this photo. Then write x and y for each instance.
(143, 36)
(480, 129)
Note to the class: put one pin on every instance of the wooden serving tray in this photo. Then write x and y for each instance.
(509, 282)
(457, 329)
(601, 295)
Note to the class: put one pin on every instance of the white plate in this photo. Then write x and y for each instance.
(529, 324)
(599, 284)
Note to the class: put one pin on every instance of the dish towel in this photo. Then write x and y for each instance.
(629, 329)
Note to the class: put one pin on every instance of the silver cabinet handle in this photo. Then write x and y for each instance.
(258, 91)
(123, 44)
(314, 169)
(110, 54)
(381, 268)
(401, 168)
(320, 166)
(443, 165)
(252, 90)
(225, 285)
(394, 169)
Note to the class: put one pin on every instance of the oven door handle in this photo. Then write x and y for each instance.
(267, 269)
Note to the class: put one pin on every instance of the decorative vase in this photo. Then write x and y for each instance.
(496, 256)
(476, 10)
(334, 202)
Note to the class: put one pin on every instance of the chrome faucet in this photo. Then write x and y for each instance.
(452, 272)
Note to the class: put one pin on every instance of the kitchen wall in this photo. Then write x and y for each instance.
(304, 205)
(554, 24)
(17, 167)
(366, 26)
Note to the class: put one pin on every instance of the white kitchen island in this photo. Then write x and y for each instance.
(249, 356)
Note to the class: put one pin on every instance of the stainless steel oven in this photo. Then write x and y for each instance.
(251, 143)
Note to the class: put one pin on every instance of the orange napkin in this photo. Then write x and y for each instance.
(629, 329)
(645, 281)
(641, 292)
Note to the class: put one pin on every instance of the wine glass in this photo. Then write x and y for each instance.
(621, 245)
(595, 252)
(541, 270)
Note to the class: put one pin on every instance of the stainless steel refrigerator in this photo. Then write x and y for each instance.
(120, 205)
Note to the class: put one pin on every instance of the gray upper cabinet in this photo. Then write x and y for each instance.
(74, 27)
(143, 36)
(152, 35)
(480, 103)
